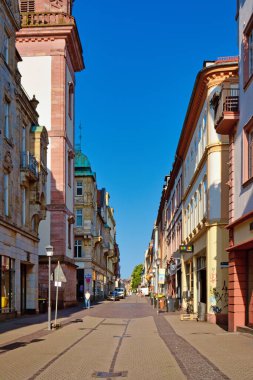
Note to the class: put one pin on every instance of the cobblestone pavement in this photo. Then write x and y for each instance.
(124, 339)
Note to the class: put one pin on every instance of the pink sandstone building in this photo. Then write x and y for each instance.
(51, 53)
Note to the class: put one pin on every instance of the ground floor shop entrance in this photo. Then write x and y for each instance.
(249, 305)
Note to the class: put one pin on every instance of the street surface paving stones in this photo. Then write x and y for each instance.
(122, 340)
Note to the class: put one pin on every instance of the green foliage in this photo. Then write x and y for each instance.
(136, 276)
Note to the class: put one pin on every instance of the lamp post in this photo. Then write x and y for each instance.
(50, 252)
(153, 271)
(158, 261)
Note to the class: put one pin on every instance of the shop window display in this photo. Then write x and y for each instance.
(7, 278)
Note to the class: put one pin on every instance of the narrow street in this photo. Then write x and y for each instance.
(123, 339)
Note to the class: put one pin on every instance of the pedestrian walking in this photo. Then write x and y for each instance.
(87, 299)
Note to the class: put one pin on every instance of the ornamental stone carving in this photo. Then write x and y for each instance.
(7, 163)
(56, 3)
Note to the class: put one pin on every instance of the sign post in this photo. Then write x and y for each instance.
(59, 277)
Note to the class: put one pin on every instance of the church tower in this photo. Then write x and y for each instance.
(51, 53)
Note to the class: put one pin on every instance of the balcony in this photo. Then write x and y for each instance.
(226, 110)
(33, 19)
(29, 166)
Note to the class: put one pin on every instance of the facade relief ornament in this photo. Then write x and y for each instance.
(56, 3)
(7, 163)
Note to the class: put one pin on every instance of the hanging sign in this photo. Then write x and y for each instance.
(172, 268)
(161, 276)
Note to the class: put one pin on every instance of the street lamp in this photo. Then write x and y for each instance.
(158, 261)
(50, 252)
(153, 271)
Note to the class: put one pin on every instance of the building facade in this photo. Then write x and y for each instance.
(96, 251)
(51, 54)
(235, 120)
(23, 159)
(205, 196)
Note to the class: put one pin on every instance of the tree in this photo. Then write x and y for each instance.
(136, 276)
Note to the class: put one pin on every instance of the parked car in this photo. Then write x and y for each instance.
(121, 292)
(113, 296)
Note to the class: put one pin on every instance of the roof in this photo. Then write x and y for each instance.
(82, 165)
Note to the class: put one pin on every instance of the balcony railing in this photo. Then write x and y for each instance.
(226, 110)
(46, 19)
(28, 162)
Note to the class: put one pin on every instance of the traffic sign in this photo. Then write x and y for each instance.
(59, 276)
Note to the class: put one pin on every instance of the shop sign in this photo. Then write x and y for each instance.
(186, 248)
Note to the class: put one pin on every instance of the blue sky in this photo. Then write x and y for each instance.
(141, 58)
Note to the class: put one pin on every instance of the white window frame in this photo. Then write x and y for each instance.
(79, 185)
(77, 247)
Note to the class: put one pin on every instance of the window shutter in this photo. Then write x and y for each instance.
(27, 6)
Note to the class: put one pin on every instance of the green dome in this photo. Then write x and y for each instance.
(82, 165)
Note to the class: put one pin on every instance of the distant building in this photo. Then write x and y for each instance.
(23, 176)
(96, 251)
(51, 55)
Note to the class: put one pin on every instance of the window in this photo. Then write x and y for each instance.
(79, 217)
(79, 188)
(205, 197)
(248, 151)
(27, 6)
(69, 171)
(251, 53)
(69, 236)
(6, 47)
(7, 119)
(23, 190)
(70, 100)
(247, 58)
(78, 248)
(6, 194)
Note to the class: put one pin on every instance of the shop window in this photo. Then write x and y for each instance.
(7, 284)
